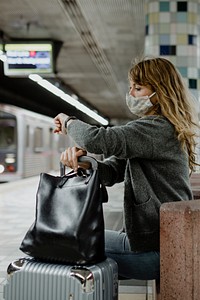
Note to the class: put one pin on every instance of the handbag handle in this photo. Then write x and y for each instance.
(94, 166)
(93, 162)
(91, 159)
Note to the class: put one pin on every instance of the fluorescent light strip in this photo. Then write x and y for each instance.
(59, 93)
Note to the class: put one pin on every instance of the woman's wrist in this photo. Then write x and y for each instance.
(68, 121)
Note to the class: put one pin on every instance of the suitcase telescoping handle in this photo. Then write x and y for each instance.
(93, 162)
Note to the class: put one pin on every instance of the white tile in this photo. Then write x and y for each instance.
(192, 7)
(164, 17)
(173, 7)
(181, 50)
(153, 7)
(182, 28)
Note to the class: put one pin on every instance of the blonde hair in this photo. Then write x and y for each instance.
(175, 101)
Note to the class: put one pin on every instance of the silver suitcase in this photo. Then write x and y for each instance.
(33, 280)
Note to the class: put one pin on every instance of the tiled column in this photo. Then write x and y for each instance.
(173, 31)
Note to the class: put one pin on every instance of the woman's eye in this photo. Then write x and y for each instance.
(135, 88)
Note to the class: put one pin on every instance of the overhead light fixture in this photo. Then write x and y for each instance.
(69, 99)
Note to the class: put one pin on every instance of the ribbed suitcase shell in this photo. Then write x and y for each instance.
(33, 280)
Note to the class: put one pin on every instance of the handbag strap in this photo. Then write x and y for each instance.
(94, 166)
(80, 172)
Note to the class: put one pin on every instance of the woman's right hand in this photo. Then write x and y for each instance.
(70, 156)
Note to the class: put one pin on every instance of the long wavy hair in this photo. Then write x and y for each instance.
(174, 100)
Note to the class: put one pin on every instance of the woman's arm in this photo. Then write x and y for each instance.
(144, 138)
(112, 170)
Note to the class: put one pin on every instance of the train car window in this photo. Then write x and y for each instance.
(27, 136)
(38, 139)
(8, 138)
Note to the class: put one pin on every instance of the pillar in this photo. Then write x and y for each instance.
(172, 31)
(179, 250)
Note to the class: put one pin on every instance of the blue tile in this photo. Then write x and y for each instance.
(183, 71)
(192, 39)
(147, 19)
(164, 39)
(192, 83)
(146, 29)
(181, 17)
(167, 50)
(164, 6)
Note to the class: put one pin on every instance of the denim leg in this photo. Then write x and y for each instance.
(132, 265)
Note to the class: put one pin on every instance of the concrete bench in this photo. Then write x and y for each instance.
(180, 251)
(195, 183)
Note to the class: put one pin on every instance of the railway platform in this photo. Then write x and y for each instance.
(17, 210)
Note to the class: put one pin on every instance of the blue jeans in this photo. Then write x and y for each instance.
(131, 265)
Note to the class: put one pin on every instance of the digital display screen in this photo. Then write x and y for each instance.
(28, 58)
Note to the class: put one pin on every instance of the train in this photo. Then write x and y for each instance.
(28, 145)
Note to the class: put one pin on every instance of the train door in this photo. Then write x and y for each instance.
(8, 146)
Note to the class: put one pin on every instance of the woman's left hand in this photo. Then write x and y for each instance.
(59, 122)
(70, 156)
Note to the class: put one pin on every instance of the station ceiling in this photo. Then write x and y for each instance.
(97, 41)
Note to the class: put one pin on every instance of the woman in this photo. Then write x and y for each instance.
(152, 155)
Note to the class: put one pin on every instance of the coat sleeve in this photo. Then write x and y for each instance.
(128, 141)
(112, 170)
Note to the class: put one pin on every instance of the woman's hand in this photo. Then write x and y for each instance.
(59, 122)
(70, 156)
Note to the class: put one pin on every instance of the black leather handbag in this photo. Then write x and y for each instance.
(69, 222)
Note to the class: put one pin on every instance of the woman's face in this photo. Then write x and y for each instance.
(137, 90)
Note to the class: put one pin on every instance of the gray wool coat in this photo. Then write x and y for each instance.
(147, 156)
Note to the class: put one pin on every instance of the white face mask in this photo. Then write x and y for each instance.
(139, 105)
